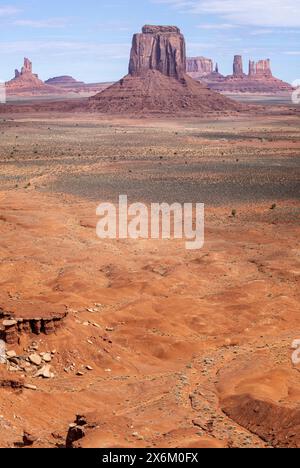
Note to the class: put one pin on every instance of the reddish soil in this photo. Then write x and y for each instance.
(161, 347)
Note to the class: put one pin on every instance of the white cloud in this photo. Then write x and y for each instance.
(267, 13)
(8, 11)
(42, 24)
(262, 32)
(217, 27)
(292, 52)
(66, 48)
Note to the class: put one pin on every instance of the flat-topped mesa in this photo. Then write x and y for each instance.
(238, 69)
(160, 48)
(198, 67)
(65, 79)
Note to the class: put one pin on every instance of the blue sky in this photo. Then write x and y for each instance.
(91, 39)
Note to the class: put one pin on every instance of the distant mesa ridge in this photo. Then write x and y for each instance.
(27, 83)
(159, 52)
(64, 80)
(259, 79)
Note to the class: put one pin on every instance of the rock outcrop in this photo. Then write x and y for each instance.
(25, 78)
(157, 81)
(27, 67)
(197, 67)
(17, 318)
(276, 424)
(160, 48)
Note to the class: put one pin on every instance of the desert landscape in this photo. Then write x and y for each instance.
(142, 343)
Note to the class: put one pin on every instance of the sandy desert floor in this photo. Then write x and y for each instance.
(162, 347)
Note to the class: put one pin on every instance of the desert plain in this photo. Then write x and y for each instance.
(161, 347)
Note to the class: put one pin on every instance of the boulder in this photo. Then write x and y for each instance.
(35, 359)
(29, 439)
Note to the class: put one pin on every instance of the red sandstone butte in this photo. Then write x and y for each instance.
(157, 81)
(25, 78)
(159, 48)
(27, 82)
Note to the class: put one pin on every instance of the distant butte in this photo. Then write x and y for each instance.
(157, 81)
(64, 81)
(25, 79)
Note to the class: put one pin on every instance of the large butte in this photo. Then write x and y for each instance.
(157, 81)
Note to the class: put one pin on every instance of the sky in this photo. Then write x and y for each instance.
(91, 39)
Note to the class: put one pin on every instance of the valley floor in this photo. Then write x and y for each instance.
(161, 346)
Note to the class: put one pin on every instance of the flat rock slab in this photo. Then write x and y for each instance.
(18, 311)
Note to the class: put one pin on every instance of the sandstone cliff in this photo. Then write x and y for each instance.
(160, 48)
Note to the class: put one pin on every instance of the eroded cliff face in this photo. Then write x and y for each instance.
(160, 48)
(263, 69)
(199, 66)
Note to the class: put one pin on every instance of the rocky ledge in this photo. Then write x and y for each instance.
(29, 318)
